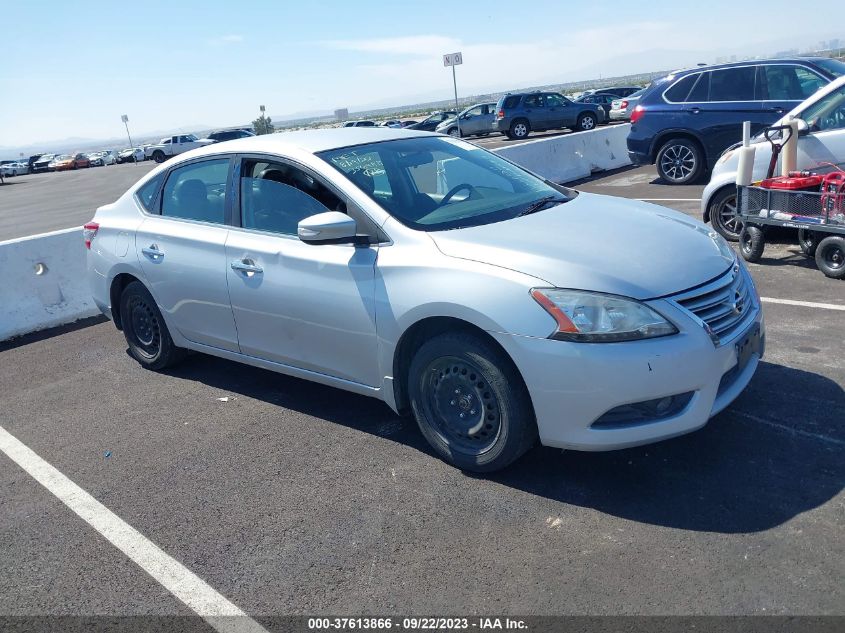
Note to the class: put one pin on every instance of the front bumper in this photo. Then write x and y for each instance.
(573, 384)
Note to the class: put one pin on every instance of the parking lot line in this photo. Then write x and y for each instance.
(669, 199)
(806, 304)
(171, 574)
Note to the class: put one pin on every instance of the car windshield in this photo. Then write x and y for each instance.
(833, 66)
(440, 183)
(64, 157)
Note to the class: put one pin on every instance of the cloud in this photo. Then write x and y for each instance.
(224, 40)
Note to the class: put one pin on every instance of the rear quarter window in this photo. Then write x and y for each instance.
(679, 92)
(147, 193)
(511, 102)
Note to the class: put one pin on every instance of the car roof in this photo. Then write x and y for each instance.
(313, 141)
(749, 62)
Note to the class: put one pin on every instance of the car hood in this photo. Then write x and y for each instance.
(599, 243)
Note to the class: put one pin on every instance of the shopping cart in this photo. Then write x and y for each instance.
(817, 210)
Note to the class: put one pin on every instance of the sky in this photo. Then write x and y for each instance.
(71, 69)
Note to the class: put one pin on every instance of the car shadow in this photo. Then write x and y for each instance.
(774, 454)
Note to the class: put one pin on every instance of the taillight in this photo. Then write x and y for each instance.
(89, 232)
(637, 114)
(501, 114)
(623, 105)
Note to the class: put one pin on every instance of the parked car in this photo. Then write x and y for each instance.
(408, 123)
(360, 124)
(97, 159)
(229, 135)
(602, 100)
(620, 109)
(267, 252)
(821, 143)
(517, 115)
(620, 91)
(32, 160)
(131, 155)
(14, 169)
(391, 123)
(64, 162)
(173, 145)
(42, 163)
(687, 119)
(476, 120)
(430, 123)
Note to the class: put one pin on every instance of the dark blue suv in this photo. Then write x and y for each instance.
(685, 120)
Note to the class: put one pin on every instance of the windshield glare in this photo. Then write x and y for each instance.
(436, 183)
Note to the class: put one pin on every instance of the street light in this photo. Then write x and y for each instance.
(125, 120)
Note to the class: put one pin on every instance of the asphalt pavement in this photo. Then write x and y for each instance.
(289, 497)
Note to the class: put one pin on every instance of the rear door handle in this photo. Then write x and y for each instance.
(152, 252)
(695, 110)
(247, 266)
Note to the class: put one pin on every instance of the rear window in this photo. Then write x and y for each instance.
(679, 92)
(732, 84)
(832, 66)
(147, 192)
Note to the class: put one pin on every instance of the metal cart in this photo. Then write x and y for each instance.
(818, 216)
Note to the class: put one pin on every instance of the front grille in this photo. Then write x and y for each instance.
(725, 305)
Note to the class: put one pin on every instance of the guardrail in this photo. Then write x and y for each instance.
(43, 280)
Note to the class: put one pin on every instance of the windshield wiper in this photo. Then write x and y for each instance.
(538, 205)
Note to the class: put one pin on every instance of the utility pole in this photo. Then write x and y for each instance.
(125, 120)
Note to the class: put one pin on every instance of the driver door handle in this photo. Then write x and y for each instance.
(246, 266)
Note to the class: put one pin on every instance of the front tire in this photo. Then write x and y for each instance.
(830, 256)
(470, 402)
(586, 122)
(722, 212)
(145, 330)
(680, 161)
(751, 243)
(455, 132)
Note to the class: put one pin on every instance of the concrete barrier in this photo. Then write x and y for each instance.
(43, 282)
(572, 156)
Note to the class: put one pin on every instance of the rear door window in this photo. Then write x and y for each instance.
(732, 84)
(534, 101)
(197, 191)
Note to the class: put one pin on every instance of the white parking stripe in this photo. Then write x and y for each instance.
(669, 199)
(806, 304)
(172, 575)
(789, 429)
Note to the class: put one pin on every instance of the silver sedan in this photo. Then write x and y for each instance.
(496, 308)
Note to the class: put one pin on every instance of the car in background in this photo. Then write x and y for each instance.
(620, 109)
(506, 310)
(66, 162)
(360, 124)
(685, 120)
(821, 145)
(229, 135)
(17, 168)
(101, 159)
(517, 115)
(620, 91)
(131, 155)
(430, 123)
(602, 100)
(476, 120)
(42, 163)
(408, 123)
(392, 123)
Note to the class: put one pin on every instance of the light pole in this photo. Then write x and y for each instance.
(125, 120)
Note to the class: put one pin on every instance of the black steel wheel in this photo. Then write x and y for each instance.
(145, 330)
(722, 214)
(470, 402)
(808, 241)
(830, 256)
(752, 241)
(680, 161)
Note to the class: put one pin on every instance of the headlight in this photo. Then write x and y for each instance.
(591, 317)
(725, 157)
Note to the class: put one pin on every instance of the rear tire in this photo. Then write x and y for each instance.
(145, 330)
(830, 256)
(158, 156)
(586, 122)
(808, 241)
(470, 402)
(722, 213)
(519, 129)
(680, 161)
(751, 243)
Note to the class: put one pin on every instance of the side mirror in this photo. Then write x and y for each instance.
(803, 127)
(327, 228)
